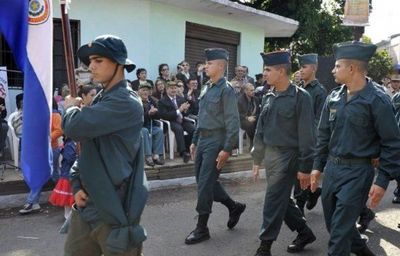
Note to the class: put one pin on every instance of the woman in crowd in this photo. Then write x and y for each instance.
(163, 72)
(159, 90)
(87, 93)
(141, 75)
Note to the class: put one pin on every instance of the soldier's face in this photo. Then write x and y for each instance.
(306, 72)
(341, 71)
(272, 74)
(102, 68)
(214, 67)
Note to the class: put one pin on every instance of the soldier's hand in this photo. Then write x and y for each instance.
(70, 101)
(375, 162)
(256, 172)
(192, 149)
(304, 179)
(314, 180)
(375, 196)
(81, 198)
(221, 159)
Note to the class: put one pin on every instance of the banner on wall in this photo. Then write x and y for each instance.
(4, 89)
(356, 13)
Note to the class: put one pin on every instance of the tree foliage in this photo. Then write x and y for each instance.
(380, 65)
(319, 25)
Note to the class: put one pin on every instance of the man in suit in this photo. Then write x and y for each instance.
(192, 96)
(201, 75)
(173, 108)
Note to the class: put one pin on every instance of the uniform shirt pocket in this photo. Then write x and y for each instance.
(359, 121)
(286, 113)
(213, 104)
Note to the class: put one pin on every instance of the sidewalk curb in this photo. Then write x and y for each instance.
(17, 200)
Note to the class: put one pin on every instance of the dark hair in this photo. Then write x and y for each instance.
(258, 76)
(140, 70)
(18, 100)
(160, 67)
(55, 105)
(191, 78)
(85, 89)
(199, 63)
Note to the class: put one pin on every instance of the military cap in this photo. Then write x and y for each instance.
(216, 54)
(108, 46)
(306, 59)
(145, 85)
(354, 50)
(395, 77)
(276, 58)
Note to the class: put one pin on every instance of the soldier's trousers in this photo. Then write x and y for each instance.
(344, 193)
(208, 187)
(281, 166)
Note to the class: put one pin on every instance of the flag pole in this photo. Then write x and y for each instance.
(68, 51)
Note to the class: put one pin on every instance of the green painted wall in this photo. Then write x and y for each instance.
(155, 32)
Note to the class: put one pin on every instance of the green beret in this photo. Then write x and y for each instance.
(276, 58)
(307, 59)
(108, 46)
(216, 54)
(354, 51)
(145, 85)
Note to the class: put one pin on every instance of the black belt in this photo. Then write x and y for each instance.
(349, 161)
(209, 133)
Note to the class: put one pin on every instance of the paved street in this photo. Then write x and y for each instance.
(169, 217)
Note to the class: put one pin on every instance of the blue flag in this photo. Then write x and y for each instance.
(27, 26)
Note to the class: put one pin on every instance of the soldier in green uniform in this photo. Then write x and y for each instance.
(308, 69)
(109, 183)
(284, 139)
(357, 125)
(215, 136)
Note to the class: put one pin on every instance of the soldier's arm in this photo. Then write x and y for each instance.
(321, 152)
(389, 133)
(103, 118)
(258, 145)
(231, 118)
(306, 132)
(319, 104)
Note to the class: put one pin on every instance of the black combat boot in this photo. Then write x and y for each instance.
(234, 214)
(366, 216)
(305, 236)
(201, 232)
(264, 249)
(365, 251)
(313, 199)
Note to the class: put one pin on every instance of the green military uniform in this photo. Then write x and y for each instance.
(352, 131)
(284, 139)
(217, 129)
(110, 166)
(318, 95)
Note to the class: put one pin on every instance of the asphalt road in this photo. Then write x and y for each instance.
(170, 216)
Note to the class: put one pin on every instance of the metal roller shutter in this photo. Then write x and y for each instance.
(199, 37)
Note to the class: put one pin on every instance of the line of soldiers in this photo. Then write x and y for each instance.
(347, 136)
(357, 125)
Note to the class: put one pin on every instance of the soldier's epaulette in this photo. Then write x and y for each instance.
(229, 84)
